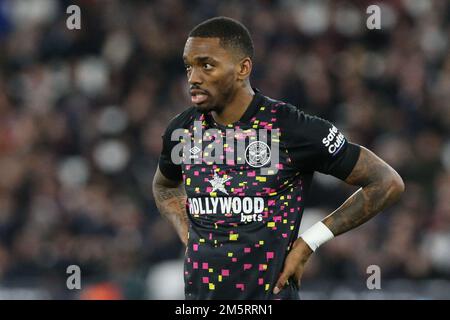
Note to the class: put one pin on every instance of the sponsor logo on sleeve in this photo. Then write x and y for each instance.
(334, 141)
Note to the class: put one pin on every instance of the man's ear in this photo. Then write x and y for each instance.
(245, 68)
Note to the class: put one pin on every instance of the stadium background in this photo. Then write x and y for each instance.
(82, 111)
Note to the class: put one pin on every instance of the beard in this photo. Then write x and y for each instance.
(217, 105)
(207, 108)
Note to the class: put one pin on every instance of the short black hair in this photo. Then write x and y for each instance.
(232, 34)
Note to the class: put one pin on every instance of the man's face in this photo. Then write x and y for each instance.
(212, 73)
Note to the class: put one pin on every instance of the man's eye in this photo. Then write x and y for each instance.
(207, 66)
(188, 68)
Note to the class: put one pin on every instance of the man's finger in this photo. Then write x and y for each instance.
(281, 282)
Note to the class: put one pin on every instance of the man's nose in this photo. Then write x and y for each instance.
(194, 77)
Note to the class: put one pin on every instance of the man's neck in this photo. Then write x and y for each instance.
(234, 110)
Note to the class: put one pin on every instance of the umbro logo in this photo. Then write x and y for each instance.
(194, 151)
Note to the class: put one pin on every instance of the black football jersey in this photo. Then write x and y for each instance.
(246, 185)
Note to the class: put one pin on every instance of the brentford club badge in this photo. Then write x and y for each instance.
(257, 154)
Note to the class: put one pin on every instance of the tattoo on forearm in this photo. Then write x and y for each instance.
(171, 203)
(380, 189)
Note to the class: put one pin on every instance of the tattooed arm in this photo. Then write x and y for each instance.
(381, 186)
(170, 198)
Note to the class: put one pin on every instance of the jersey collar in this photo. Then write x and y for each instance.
(248, 114)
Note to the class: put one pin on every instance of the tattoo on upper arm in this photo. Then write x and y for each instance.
(368, 168)
(170, 198)
(163, 194)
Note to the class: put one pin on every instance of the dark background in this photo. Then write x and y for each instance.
(82, 111)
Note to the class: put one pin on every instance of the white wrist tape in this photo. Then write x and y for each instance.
(317, 235)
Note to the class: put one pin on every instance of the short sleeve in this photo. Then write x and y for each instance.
(167, 167)
(315, 144)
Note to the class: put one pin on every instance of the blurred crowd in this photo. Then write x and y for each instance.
(82, 113)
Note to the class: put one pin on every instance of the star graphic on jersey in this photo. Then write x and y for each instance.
(218, 183)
